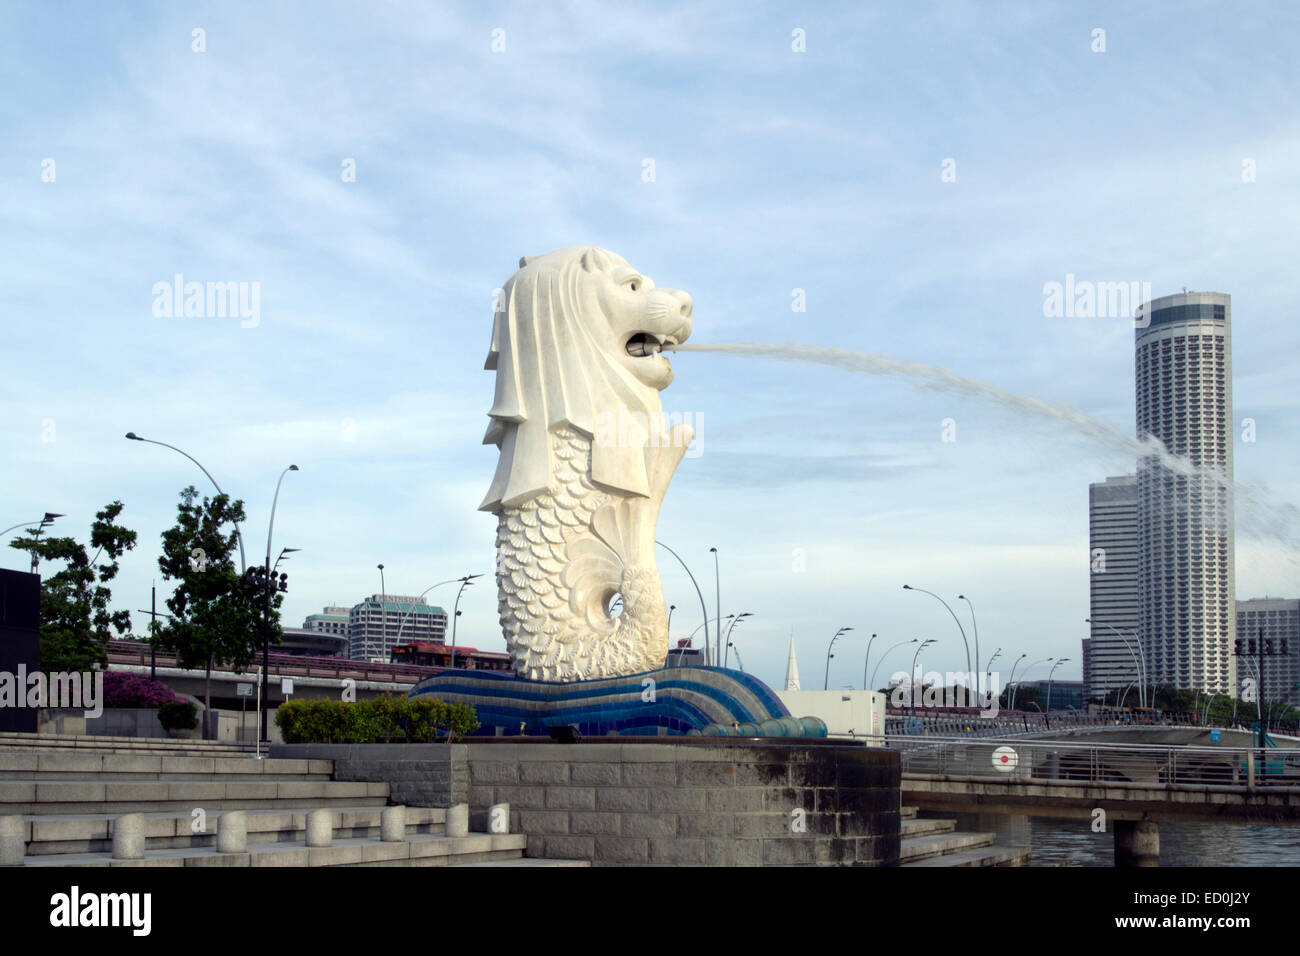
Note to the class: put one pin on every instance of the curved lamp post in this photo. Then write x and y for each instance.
(924, 644)
(402, 623)
(238, 534)
(882, 659)
(988, 671)
(1027, 669)
(866, 660)
(1012, 680)
(908, 587)
(266, 619)
(465, 582)
(717, 600)
(727, 640)
(697, 589)
(1049, 681)
(974, 626)
(827, 683)
(671, 608)
(41, 525)
(1137, 660)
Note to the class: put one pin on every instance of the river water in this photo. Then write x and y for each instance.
(1072, 843)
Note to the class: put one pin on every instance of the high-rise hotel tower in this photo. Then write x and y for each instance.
(1186, 586)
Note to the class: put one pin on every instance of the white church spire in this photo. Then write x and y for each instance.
(792, 668)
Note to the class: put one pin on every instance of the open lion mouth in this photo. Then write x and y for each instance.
(644, 344)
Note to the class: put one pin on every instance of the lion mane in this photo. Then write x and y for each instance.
(551, 351)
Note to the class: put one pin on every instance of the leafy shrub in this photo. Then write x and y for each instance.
(178, 715)
(125, 689)
(385, 719)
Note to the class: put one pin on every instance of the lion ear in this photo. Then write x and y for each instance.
(595, 260)
(524, 260)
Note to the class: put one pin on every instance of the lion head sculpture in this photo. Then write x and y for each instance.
(577, 334)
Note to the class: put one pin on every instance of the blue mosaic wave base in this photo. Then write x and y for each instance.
(677, 699)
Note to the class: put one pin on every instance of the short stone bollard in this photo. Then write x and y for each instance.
(457, 824)
(13, 841)
(232, 832)
(128, 837)
(392, 825)
(498, 820)
(320, 828)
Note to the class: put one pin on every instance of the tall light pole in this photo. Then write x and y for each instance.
(882, 659)
(1012, 679)
(41, 525)
(866, 660)
(383, 614)
(988, 672)
(465, 582)
(976, 628)
(924, 644)
(406, 617)
(717, 601)
(908, 587)
(1028, 667)
(697, 590)
(238, 534)
(827, 683)
(671, 608)
(1049, 681)
(266, 619)
(727, 640)
(1137, 659)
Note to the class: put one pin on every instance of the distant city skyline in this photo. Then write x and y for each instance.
(367, 180)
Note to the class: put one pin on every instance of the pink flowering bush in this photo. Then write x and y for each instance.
(125, 689)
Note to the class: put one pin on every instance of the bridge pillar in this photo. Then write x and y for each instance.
(1137, 843)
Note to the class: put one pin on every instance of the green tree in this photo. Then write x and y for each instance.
(76, 623)
(216, 614)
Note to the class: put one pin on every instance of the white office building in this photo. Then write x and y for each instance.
(1268, 638)
(1185, 581)
(1111, 661)
(381, 622)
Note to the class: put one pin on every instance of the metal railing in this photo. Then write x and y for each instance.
(1019, 760)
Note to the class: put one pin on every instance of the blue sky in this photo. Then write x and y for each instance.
(775, 170)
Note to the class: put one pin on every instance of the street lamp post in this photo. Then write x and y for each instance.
(465, 582)
(1137, 659)
(243, 566)
(383, 614)
(908, 587)
(827, 683)
(697, 590)
(41, 525)
(717, 600)
(407, 616)
(1012, 679)
(1049, 681)
(266, 622)
(976, 628)
(866, 660)
(671, 608)
(727, 640)
(1027, 669)
(924, 644)
(882, 659)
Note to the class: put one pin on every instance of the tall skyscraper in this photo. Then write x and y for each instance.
(1112, 648)
(1186, 583)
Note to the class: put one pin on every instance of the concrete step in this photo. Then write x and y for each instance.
(44, 797)
(420, 850)
(918, 848)
(93, 833)
(160, 745)
(907, 813)
(530, 862)
(980, 856)
(103, 767)
(913, 827)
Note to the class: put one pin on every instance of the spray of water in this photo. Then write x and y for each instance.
(1267, 518)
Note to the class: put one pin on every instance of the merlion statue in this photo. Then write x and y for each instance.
(585, 462)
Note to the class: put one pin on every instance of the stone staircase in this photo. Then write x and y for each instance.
(927, 842)
(65, 798)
